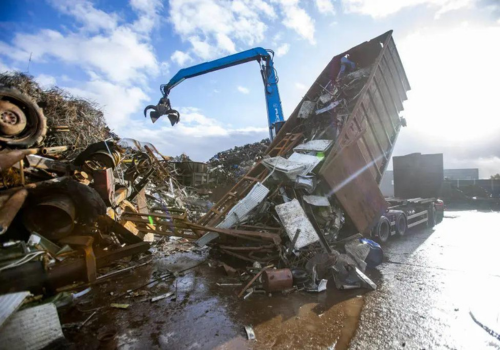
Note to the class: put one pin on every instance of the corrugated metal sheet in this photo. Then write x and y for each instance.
(9, 303)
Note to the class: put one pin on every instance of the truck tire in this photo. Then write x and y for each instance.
(22, 123)
(431, 217)
(401, 224)
(383, 230)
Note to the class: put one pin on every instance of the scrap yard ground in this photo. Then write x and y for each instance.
(428, 284)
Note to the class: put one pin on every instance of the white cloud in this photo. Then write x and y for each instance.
(164, 68)
(225, 43)
(45, 81)
(149, 14)
(197, 135)
(300, 86)
(282, 50)
(202, 48)
(213, 26)
(121, 55)
(118, 102)
(180, 58)
(91, 19)
(243, 90)
(118, 57)
(296, 18)
(379, 9)
(449, 112)
(325, 6)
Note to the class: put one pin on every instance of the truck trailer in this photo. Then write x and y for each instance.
(350, 120)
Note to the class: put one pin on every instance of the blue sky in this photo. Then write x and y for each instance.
(117, 53)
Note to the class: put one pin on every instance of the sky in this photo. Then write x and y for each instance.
(118, 53)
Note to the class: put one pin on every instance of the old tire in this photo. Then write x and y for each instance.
(401, 224)
(383, 230)
(28, 112)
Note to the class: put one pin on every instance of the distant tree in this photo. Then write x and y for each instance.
(495, 177)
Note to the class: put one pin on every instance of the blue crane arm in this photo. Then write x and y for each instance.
(265, 59)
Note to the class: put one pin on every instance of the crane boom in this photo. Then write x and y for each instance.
(269, 77)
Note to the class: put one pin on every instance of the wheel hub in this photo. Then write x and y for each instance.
(12, 119)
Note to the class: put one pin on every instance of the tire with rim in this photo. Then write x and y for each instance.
(383, 230)
(401, 224)
(22, 122)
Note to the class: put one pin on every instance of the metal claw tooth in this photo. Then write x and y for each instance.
(149, 107)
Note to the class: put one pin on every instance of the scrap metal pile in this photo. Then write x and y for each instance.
(286, 220)
(232, 164)
(318, 180)
(71, 191)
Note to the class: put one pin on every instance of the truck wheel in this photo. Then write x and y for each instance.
(383, 230)
(401, 225)
(431, 217)
(22, 123)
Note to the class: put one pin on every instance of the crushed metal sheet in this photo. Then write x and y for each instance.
(289, 167)
(306, 182)
(317, 201)
(9, 303)
(160, 297)
(329, 107)
(314, 146)
(366, 280)
(241, 210)
(320, 287)
(306, 109)
(325, 98)
(250, 332)
(34, 328)
(294, 218)
(206, 238)
(310, 162)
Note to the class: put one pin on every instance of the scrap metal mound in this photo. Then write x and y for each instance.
(70, 120)
(234, 163)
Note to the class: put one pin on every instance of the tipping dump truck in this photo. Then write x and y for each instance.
(350, 120)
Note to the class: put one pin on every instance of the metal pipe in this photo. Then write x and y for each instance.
(53, 217)
(57, 149)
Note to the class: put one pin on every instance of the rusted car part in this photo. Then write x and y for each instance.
(89, 204)
(104, 154)
(22, 122)
(52, 217)
(277, 280)
(9, 158)
(48, 164)
(57, 149)
(104, 184)
(85, 243)
(34, 277)
(9, 206)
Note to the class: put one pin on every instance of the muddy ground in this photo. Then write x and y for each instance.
(428, 284)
